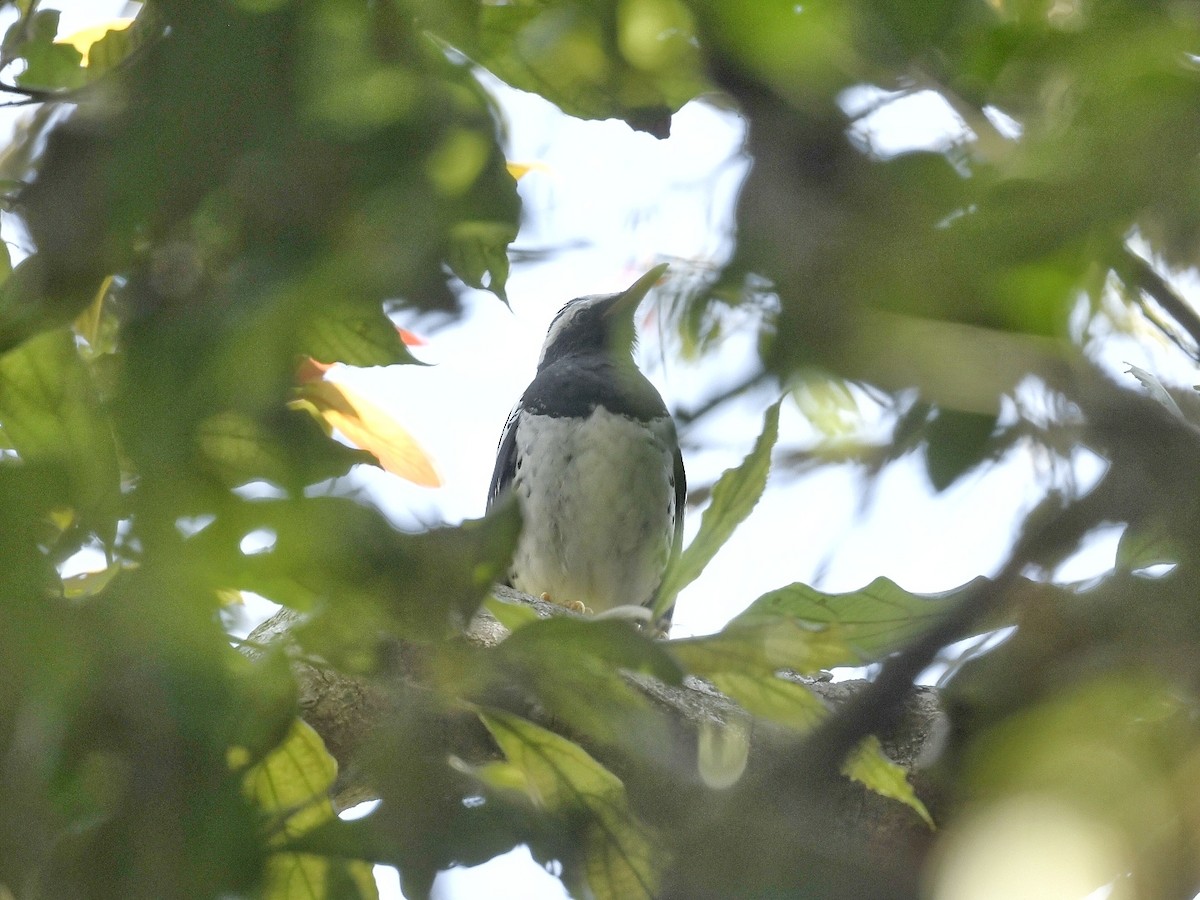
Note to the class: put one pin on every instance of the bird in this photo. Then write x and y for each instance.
(592, 455)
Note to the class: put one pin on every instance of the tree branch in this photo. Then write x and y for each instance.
(1139, 274)
(346, 712)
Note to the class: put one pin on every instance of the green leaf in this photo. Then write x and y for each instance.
(618, 644)
(762, 646)
(744, 659)
(1147, 544)
(640, 64)
(510, 614)
(743, 662)
(291, 785)
(847, 629)
(51, 415)
(110, 51)
(621, 857)
(347, 336)
(871, 767)
(290, 450)
(734, 496)
(478, 254)
(367, 576)
(294, 779)
(771, 697)
(956, 443)
(50, 65)
(561, 659)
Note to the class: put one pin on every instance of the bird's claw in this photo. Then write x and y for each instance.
(574, 606)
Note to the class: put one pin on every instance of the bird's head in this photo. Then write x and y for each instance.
(600, 323)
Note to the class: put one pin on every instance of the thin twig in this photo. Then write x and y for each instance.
(1139, 274)
(31, 95)
(1146, 448)
(687, 416)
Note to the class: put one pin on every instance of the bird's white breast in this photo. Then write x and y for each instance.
(598, 497)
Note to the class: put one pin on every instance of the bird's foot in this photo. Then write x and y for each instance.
(573, 605)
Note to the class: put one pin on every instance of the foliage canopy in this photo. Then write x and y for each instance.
(222, 191)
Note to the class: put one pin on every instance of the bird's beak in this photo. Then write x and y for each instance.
(632, 296)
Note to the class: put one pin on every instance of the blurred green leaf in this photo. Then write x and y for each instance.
(633, 61)
(562, 659)
(762, 646)
(769, 697)
(1109, 749)
(744, 662)
(356, 340)
(479, 254)
(869, 765)
(288, 449)
(956, 443)
(847, 629)
(49, 65)
(802, 630)
(734, 497)
(51, 415)
(511, 614)
(292, 786)
(621, 857)
(362, 575)
(1145, 545)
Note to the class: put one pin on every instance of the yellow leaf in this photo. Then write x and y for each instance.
(83, 39)
(520, 170)
(371, 428)
(62, 517)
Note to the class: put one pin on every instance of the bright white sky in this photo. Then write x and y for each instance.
(611, 203)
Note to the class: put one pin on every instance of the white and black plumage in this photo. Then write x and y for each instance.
(591, 452)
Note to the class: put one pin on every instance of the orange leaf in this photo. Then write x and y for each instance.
(409, 339)
(370, 428)
(311, 370)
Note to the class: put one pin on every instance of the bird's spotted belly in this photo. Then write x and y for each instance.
(598, 497)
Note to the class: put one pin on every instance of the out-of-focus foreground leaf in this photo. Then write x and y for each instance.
(633, 61)
(619, 855)
(292, 786)
(51, 416)
(852, 628)
(230, 188)
(734, 497)
(800, 630)
(368, 426)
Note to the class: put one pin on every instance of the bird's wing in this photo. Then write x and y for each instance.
(664, 621)
(680, 502)
(506, 458)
